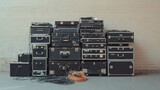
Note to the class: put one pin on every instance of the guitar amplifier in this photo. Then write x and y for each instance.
(119, 44)
(41, 28)
(92, 56)
(90, 20)
(94, 68)
(120, 48)
(90, 31)
(39, 51)
(120, 56)
(93, 40)
(91, 26)
(41, 24)
(92, 35)
(65, 40)
(20, 69)
(120, 36)
(66, 24)
(100, 46)
(39, 67)
(120, 33)
(87, 19)
(24, 57)
(119, 68)
(62, 68)
(66, 27)
(40, 39)
(66, 30)
(64, 53)
(120, 39)
(93, 51)
(91, 23)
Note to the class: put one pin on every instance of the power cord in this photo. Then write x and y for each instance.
(77, 76)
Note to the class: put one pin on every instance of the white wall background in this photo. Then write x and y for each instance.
(140, 16)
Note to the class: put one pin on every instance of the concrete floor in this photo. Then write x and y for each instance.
(139, 82)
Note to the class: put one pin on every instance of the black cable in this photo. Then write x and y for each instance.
(62, 80)
(17, 78)
(17, 70)
(56, 79)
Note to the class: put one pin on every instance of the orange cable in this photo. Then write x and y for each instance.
(77, 76)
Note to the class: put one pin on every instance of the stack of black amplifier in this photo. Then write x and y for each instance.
(22, 68)
(120, 52)
(40, 40)
(74, 46)
(65, 51)
(34, 63)
(93, 46)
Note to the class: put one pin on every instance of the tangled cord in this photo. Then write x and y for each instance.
(77, 76)
(70, 78)
(56, 80)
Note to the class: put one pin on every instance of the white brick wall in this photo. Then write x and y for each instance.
(140, 16)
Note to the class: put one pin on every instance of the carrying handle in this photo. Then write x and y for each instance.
(120, 38)
(65, 38)
(64, 67)
(39, 38)
(37, 53)
(39, 29)
(120, 55)
(64, 54)
(120, 48)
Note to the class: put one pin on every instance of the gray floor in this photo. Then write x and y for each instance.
(139, 82)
